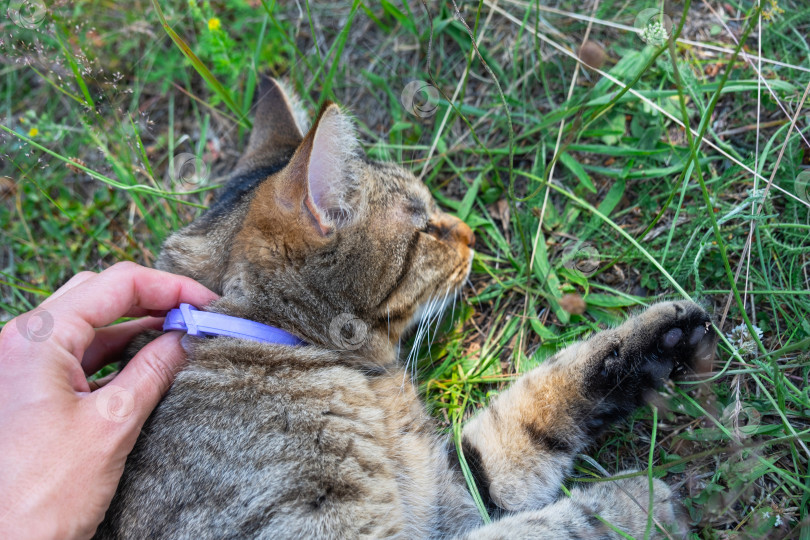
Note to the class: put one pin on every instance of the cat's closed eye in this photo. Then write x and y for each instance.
(430, 228)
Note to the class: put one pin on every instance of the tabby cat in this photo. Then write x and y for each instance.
(329, 439)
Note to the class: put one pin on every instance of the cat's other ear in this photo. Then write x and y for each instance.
(322, 172)
(277, 126)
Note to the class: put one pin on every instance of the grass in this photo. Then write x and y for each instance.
(588, 198)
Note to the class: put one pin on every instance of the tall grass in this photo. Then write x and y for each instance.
(669, 170)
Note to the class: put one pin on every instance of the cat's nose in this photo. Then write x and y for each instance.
(464, 234)
(454, 229)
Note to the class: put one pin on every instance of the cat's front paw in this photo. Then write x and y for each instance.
(667, 339)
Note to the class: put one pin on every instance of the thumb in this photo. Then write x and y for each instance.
(145, 379)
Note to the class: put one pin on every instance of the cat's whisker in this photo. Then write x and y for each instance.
(469, 283)
(438, 309)
(421, 329)
(427, 314)
(429, 322)
(472, 288)
(412, 354)
(404, 375)
(434, 311)
(444, 305)
(412, 358)
(453, 313)
(426, 320)
(441, 310)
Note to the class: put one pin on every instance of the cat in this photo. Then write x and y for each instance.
(329, 439)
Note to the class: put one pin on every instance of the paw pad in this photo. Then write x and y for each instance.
(671, 338)
(697, 334)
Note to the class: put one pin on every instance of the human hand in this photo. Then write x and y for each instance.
(63, 446)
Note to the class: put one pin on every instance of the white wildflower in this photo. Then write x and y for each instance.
(655, 34)
(741, 338)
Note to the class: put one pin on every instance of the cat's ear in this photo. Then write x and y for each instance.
(277, 126)
(323, 169)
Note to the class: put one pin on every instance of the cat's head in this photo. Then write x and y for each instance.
(311, 236)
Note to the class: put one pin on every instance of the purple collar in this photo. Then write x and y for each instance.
(205, 323)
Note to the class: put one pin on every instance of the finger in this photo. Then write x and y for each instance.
(148, 376)
(37, 325)
(136, 311)
(73, 282)
(111, 340)
(127, 288)
(114, 293)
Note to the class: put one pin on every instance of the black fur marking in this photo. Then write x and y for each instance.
(317, 503)
(254, 524)
(606, 414)
(406, 265)
(537, 523)
(572, 533)
(416, 207)
(546, 440)
(372, 370)
(595, 523)
(237, 188)
(479, 473)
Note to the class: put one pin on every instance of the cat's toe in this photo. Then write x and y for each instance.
(671, 338)
(697, 334)
(685, 339)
